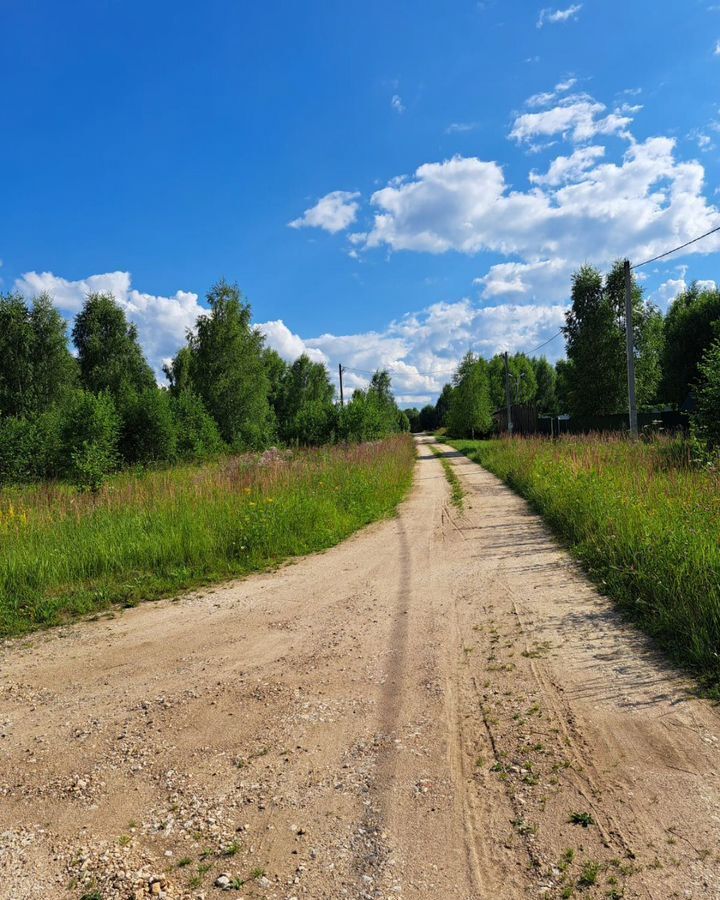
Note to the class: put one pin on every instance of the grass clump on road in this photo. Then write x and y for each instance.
(456, 489)
(149, 534)
(641, 518)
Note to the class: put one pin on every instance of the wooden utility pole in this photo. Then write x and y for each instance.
(340, 371)
(507, 394)
(630, 345)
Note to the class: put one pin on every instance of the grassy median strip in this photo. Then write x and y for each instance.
(151, 534)
(456, 489)
(643, 521)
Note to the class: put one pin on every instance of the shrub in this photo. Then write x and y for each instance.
(89, 432)
(198, 436)
(315, 423)
(17, 449)
(149, 430)
(706, 419)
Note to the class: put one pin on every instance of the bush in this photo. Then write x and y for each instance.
(706, 419)
(198, 436)
(89, 433)
(315, 423)
(149, 430)
(17, 449)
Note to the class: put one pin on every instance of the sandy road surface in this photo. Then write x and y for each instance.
(415, 713)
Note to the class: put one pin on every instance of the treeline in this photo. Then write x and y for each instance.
(80, 416)
(677, 363)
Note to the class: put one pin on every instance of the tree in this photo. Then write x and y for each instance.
(16, 356)
(149, 429)
(109, 353)
(54, 369)
(198, 436)
(596, 378)
(470, 411)
(706, 417)
(546, 380)
(443, 405)
(36, 366)
(303, 385)
(649, 345)
(563, 379)
(178, 373)
(413, 416)
(523, 384)
(690, 326)
(428, 417)
(595, 348)
(228, 369)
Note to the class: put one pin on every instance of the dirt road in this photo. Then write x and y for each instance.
(418, 712)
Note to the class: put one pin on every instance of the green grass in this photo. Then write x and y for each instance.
(147, 535)
(643, 521)
(456, 489)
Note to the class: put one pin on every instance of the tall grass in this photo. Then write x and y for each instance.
(643, 521)
(64, 553)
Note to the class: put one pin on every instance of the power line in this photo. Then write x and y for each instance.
(675, 249)
(392, 369)
(544, 343)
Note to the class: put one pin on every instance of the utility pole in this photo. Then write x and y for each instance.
(629, 341)
(340, 371)
(507, 394)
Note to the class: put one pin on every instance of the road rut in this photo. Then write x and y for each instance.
(441, 706)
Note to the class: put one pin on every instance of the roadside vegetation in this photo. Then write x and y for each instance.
(147, 534)
(644, 520)
(81, 417)
(676, 355)
(457, 491)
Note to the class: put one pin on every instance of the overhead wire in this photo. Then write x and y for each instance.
(558, 333)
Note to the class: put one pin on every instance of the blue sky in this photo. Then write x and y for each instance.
(389, 183)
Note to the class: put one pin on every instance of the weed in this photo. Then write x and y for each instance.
(153, 533)
(185, 861)
(589, 874)
(456, 489)
(644, 526)
(581, 818)
(124, 840)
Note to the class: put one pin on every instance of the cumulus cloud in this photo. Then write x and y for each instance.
(545, 98)
(334, 212)
(581, 209)
(421, 350)
(577, 117)
(397, 104)
(549, 16)
(162, 322)
(569, 168)
(288, 344)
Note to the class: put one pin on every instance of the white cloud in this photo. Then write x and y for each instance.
(577, 117)
(569, 168)
(69, 296)
(460, 127)
(581, 209)
(550, 16)
(545, 98)
(288, 344)
(334, 212)
(397, 104)
(421, 350)
(717, 48)
(162, 322)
